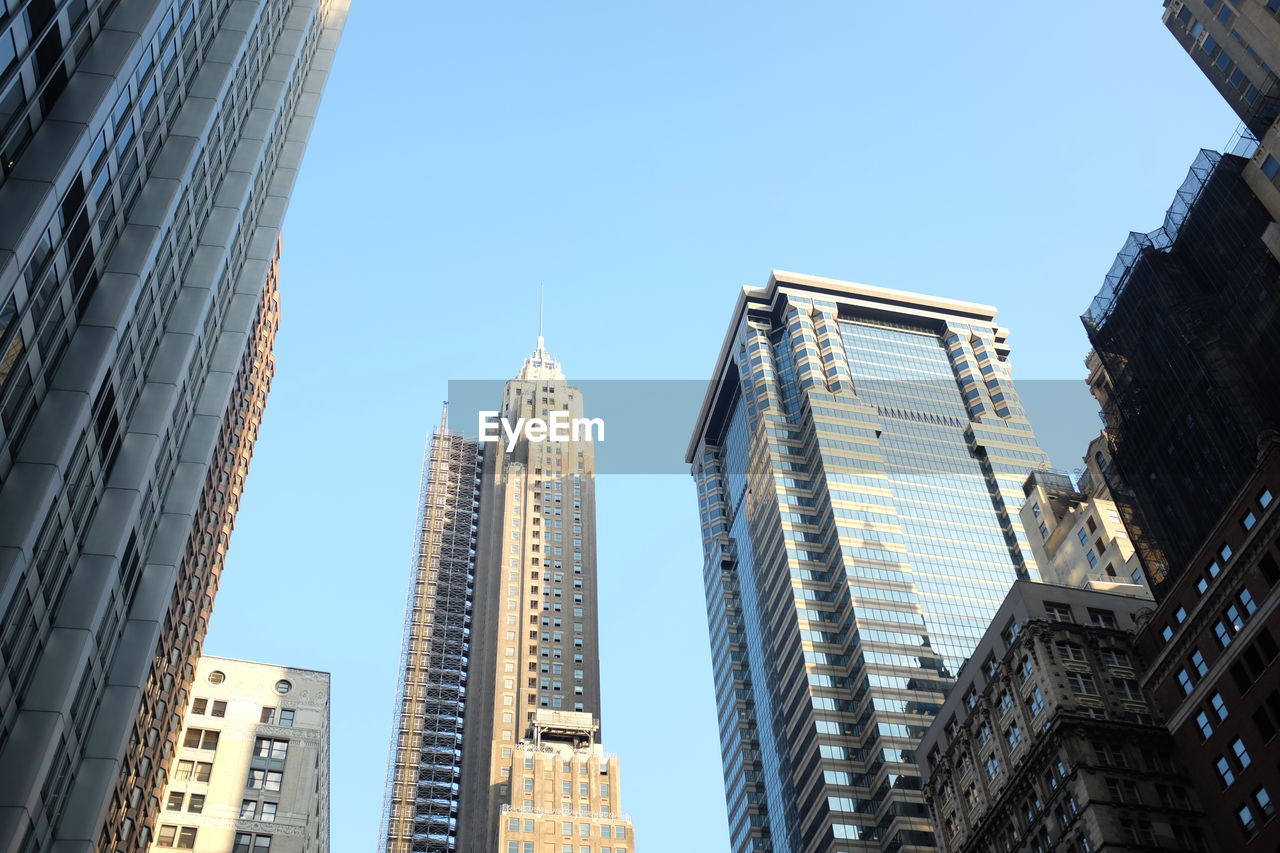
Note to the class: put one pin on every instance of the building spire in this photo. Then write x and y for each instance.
(541, 365)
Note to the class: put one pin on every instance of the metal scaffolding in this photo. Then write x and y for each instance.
(420, 810)
(1185, 327)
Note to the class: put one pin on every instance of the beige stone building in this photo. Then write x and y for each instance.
(566, 791)
(1078, 536)
(251, 772)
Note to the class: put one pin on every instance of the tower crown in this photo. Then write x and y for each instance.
(540, 365)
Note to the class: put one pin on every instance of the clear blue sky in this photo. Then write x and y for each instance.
(645, 160)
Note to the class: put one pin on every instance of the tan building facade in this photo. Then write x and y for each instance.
(251, 772)
(501, 648)
(1078, 538)
(566, 791)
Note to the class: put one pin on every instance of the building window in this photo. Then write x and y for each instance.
(249, 843)
(1082, 684)
(1241, 753)
(1035, 702)
(283, 686)
(265, 747)
(181, 837)
(1184, 681)
(200, 739)
(1244, 814)
(264, 780)
(217, 677)
(1205, 726)
(1102, 618)
(1225, 773)
(1057, 612)
(1070, 651)
(1197, 661)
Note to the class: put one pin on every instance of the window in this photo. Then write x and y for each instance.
(1057, 612)
(1082, 684)
(1115, 657)
(247, 842)
(1035, 702)
(181, 837)
(195, 803)
(174, 803)
(1219, 706)
(1241, 753)
(1026, 668)
(1225, 773)
(1128, 689)
(283, 686)
(1070, 651)
(268, 716)
(1102, 618)
(1184, 681)
(1244, 814)
(1263, 801)
(1197, 661)
(264, 780)
(200, 739)
(1013, 735)
(286, 716)
(1205, 726)
(265, 747)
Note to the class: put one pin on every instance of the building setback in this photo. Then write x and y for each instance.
(251, 772)
(1077, 535)
(859, 459)
(1047, 742)
(148, 152)
(529, 755)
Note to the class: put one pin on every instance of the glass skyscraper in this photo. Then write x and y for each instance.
(859, 459)
(148, 150)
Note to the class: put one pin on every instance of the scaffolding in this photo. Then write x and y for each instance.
(1185, 327)
(420, 811)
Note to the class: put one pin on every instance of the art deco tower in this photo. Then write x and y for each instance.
(149, 148)
(523, 683)
(859, 458)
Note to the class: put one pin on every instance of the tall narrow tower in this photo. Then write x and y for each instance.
(421, 807)
(859, 459)
(530, 767)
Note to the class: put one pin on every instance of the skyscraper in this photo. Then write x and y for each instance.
(148, 152)
(507, 536)
(859, 459)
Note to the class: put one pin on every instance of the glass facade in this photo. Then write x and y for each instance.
(859, 470)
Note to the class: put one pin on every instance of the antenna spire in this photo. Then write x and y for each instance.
(540, 301)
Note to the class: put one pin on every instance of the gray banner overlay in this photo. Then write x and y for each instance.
(648, 422)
